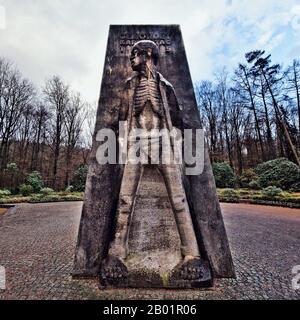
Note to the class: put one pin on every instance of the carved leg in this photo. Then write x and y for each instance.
(191, 266)
(176, 192)
(114, 266)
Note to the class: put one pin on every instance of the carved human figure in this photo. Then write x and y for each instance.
(151, 103)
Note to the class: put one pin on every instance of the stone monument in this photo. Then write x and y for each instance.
(149, 224)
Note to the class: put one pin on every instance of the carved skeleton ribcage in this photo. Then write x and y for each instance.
(147, 90)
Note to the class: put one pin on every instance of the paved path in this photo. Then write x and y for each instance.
(37, 245)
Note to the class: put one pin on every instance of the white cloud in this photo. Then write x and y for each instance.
(295, 12)
(69, 37)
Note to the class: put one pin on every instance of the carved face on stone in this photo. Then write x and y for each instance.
(142, 52)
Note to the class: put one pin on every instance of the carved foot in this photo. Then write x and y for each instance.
(190, 268)
(113, 268)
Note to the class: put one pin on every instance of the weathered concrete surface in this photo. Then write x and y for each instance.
(37, 246)
(153, 239)
(103, 181)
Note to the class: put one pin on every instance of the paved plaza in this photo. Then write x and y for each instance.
(37, 243)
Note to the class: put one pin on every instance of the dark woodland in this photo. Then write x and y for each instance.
(251, 115)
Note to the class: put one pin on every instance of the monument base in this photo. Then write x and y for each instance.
(152, 279)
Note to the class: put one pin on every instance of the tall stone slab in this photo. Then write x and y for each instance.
(153, 239)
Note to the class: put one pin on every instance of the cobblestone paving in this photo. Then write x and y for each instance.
(37, 245)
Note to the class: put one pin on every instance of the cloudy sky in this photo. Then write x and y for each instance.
(68, 37)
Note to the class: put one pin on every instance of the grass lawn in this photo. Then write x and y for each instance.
(289, 199)
(36, 198)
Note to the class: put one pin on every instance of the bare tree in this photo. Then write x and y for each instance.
(262, 66)
(75, 115)
(244, 81)
(293, 86)
(16, 93)
(222, 98)
(237, 119)
(205, 93)
(40, 128)
(24, 134)
(57, 96)
(88, 130)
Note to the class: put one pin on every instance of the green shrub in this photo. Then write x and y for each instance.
(51, 197)
(47, 198)
(79, 178)
(246, 177)
(69, 189)
(26, 190)
(12, 167)
(295, 187)
(13, 175)
(224, 175)
(46, 191)
(4, 193)
(37, 197)
(254, 185)
(280, 173)
(35, 180)
(244, 193)
(229, 195)
(285, 195)
(72, 197)
(271, 192)
(16, 199)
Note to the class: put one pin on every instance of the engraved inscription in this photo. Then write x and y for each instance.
(127, 40)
